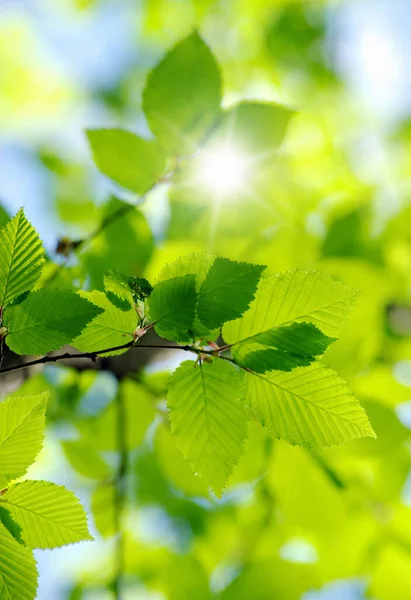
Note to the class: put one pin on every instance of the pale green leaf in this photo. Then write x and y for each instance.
(310, 406)
(47, 320)
(208, 418)
(49, 515)
(175, 468)
(227, 291)
(172, 307)
(21, 258)
(84, 459)
(255, 128)
(112, 327)
(131, 161)
(182, 96)
(294, 296)
(18, 571)
(21, 434)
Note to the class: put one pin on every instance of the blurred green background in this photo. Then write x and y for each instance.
(335, 196)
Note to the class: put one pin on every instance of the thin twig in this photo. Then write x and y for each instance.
(88, 355)
(94, 355)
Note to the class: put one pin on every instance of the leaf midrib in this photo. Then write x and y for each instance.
(319, 407)
(290, 322)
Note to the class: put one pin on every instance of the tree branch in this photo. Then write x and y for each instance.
(88, 355)
(94, 355)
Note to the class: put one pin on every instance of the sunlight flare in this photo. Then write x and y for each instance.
(223, 170)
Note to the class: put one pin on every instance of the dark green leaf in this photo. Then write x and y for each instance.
(172, 307)
(227, 291)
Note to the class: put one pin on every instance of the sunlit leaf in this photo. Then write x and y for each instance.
(227, 291)
(21, 258)
(310, 406)
(50, 516)
(112, 327)
(208, 418)
(21, 434)
(172, 307)
(18, 571)
(46, 320)
(182, 96)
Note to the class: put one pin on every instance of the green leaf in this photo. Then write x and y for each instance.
(18, 571)
(193, 264)
(310, 406)
(283, 349)
(21, 258)
(182, 96)
(84, 459)
(112, 327)
(21, 434)
(50, 516)
(134, 163)
(227, 291)
(172, 307)
(208, 418)
(255, 128)
(46, 320)
(294, 296)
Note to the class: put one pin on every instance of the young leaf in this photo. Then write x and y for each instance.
(182, 96)
(21, 258)
(18, 571)
(293, 296)
(131, 161)
(283, 349)
(311, 406)
(227, 291)
(208, 418)
(21, 434)
(46, 320)
(172, 307)
(128, 290)
(112, 327)
(257, 128)
(49, 515)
